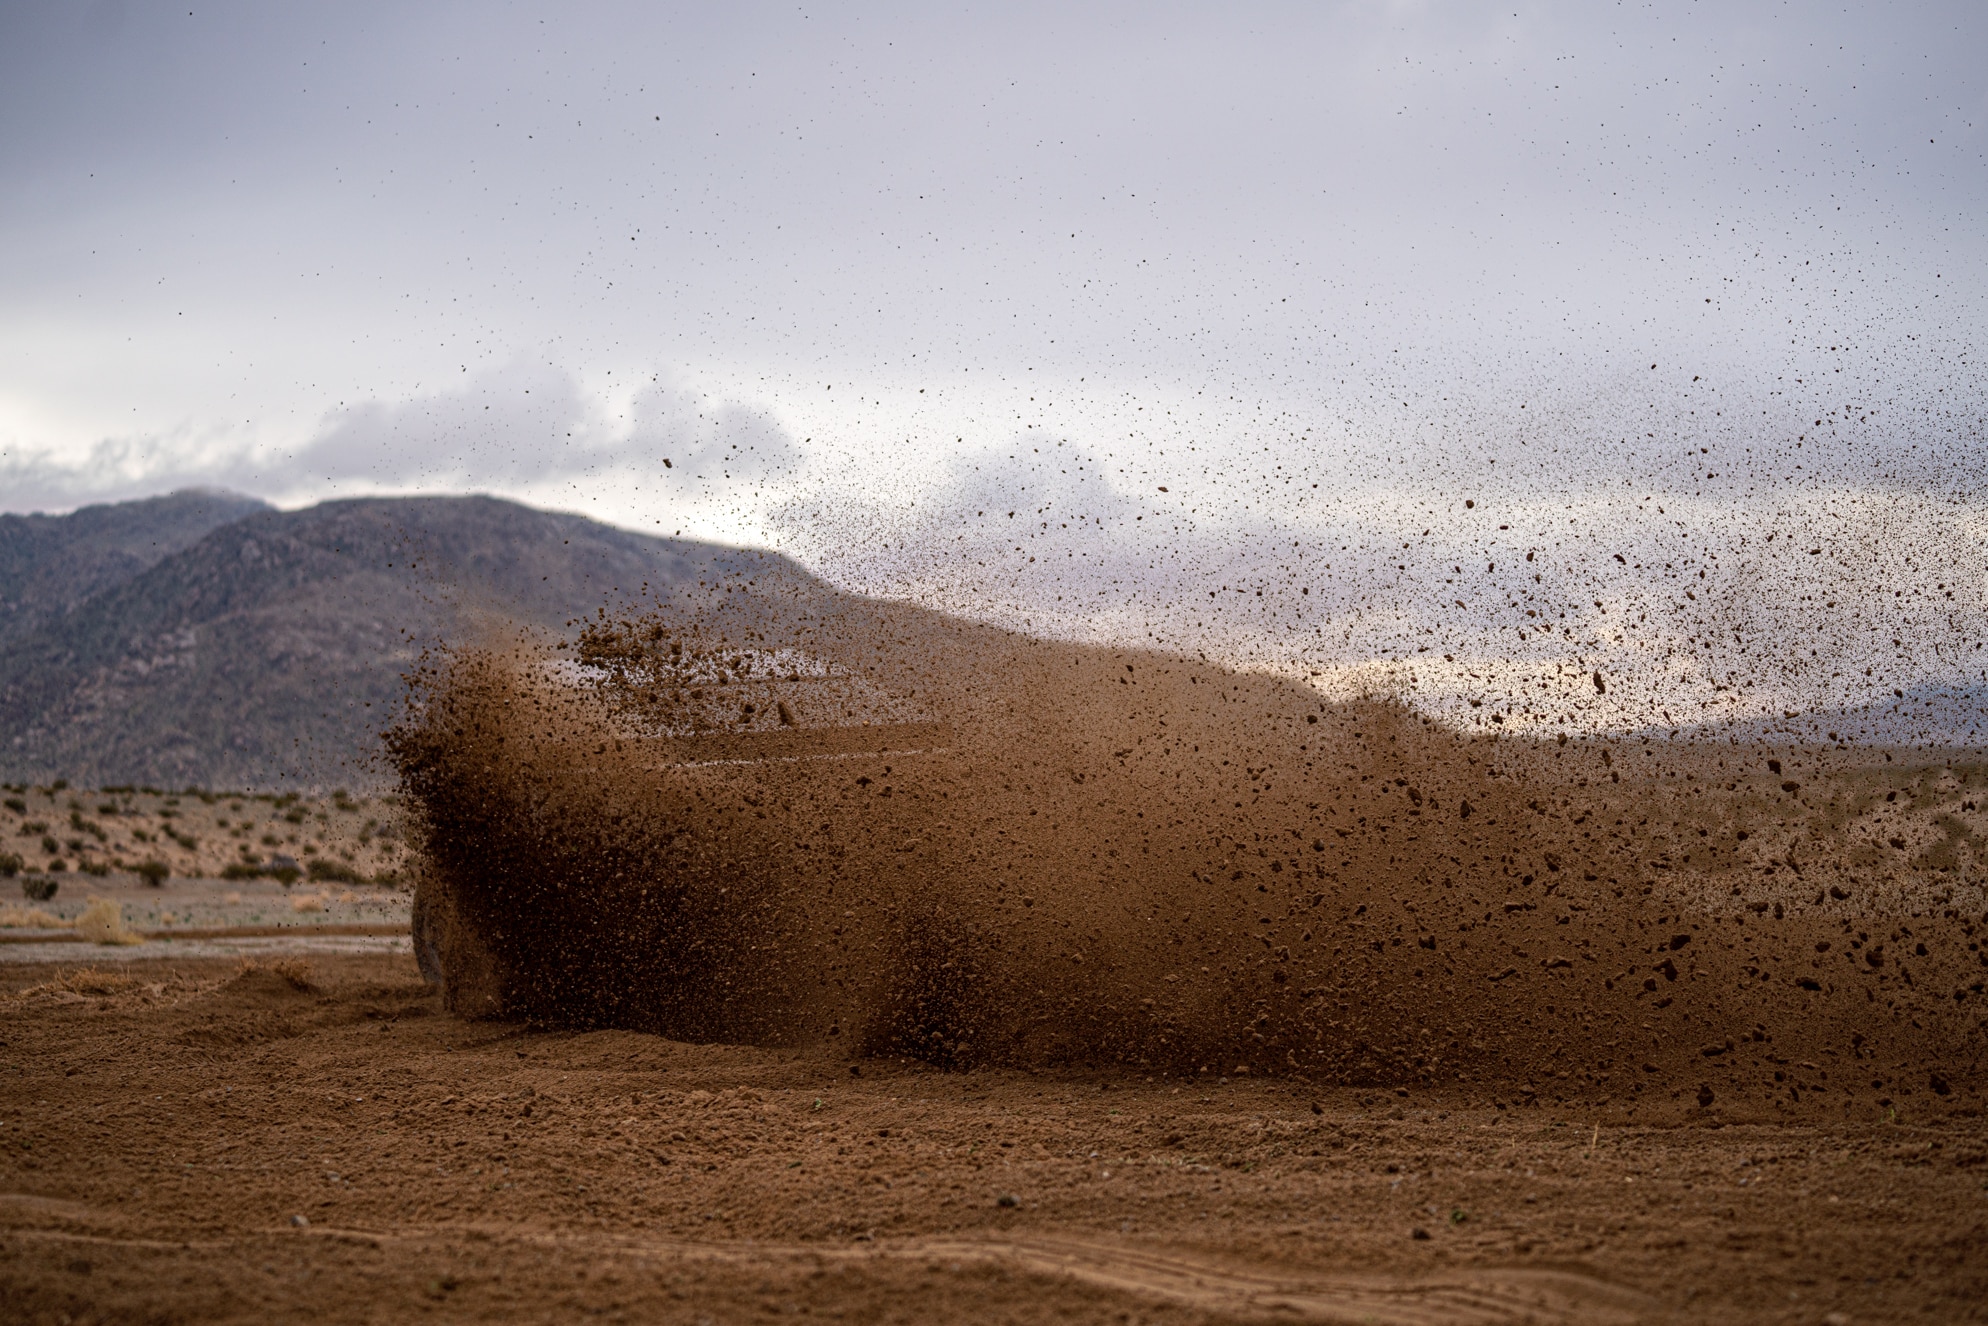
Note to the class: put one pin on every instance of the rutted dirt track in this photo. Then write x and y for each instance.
(162, 1127)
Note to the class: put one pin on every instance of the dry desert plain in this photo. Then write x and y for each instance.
(209, 1140)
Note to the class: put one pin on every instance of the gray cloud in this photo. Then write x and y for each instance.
(1714, 606)
(296, 207)
(516, 429)
(502, 429)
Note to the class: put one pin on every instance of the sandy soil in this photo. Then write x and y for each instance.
(191, 1141)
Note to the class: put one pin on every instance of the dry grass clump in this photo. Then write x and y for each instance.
(102, 922)
(30, 918)
(81, 981)
(93, 981)
(307, 902)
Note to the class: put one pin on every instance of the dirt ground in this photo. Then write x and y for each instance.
(192, 1140)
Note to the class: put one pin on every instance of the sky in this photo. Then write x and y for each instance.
(1217, 299)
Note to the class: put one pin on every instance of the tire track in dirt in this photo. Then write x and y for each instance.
(1464, 1297)
(1474, 1297)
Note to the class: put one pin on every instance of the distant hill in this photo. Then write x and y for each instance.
(1937, 718)
(268, 650)
(51, 565)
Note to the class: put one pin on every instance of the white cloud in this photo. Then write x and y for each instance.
(530, 430)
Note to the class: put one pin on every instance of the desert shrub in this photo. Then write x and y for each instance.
(57, 865)
(10, 865)
(294, 815)
(281, 869)
(102, 922)
(93, 867)
(29, 828)
(49, 845)
(39, 888)
(322, 869)
(18, 806)
(152, 870)
(60, 784)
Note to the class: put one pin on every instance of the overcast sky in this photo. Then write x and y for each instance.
(850, 269)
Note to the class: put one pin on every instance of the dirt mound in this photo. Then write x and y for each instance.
(1023, 853)
(282, 983)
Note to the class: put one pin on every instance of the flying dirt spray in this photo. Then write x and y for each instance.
(872, 829)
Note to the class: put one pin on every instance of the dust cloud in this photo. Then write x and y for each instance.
(797, 818)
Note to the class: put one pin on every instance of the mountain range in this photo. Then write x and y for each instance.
(208, 639)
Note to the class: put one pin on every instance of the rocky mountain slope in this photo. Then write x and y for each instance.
(268, 651)
(51, 565)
